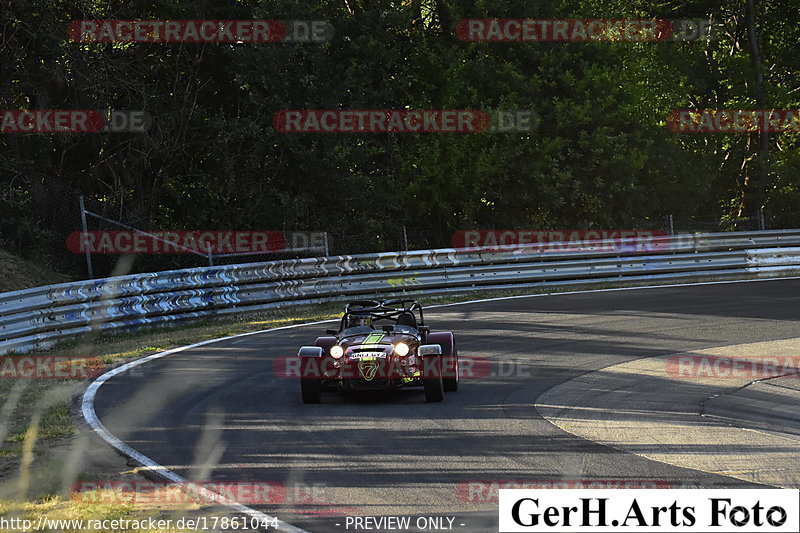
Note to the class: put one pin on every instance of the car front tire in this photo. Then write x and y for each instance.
(311, 390)
(449, 358)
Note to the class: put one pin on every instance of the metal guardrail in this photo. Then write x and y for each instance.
(40, 316)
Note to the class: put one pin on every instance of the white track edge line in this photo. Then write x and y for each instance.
(89, 414)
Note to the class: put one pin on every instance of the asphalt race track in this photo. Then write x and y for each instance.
(219, 412)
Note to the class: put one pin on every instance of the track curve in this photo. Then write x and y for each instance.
(219, 411)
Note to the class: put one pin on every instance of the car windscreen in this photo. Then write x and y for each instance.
(358, 330)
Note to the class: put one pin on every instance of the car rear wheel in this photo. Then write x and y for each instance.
(434, 386)
(449, 358)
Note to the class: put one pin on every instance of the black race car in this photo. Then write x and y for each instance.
(380, 346)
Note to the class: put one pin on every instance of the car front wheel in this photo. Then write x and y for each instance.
(311, 390)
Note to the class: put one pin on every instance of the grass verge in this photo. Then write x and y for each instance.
(38, 433)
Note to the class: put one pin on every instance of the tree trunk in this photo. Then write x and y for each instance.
(760, 174)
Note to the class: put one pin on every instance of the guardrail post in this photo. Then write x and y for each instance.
(325, 241)
(761, 224)
(83, 240)
(405, 239)
(671, 225)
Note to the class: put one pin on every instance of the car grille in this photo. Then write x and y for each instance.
(361, 384)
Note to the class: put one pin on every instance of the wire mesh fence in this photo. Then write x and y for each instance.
(402, 238)
(60, 219)
(707, 225)
(37, 216)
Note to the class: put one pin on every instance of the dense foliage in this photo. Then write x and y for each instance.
(601, 155)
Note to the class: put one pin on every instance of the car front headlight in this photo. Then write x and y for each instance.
(337, 351)
(401, 349)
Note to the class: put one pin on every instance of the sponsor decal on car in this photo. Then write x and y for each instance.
(373, 338)
(367, 355)
(368, 369)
